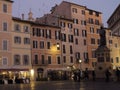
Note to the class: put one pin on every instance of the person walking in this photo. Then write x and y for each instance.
(107, 74)
(117, 74)
(86, 74)
(93, 75)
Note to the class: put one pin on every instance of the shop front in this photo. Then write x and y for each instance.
(12, 74)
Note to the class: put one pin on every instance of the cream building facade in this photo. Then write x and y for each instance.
(21, 46)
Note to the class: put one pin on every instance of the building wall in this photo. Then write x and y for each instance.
(92, 33)
(52, 51)
(81, 47)
(21, 48)
(114, 21)
(81, 14)
(5, 17)
(113, 42)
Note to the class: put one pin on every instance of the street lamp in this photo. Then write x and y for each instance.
(80, 61)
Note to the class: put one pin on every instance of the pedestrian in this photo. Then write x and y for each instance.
(79, 75)
(75, 76)
(86, 74)
(93, 75)
(117, 74)
(107, 74)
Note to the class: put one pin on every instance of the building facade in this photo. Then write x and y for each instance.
(114, 21)
(46, 51)
(85, 28)
(21, 47)
(53, 45)
(5, 35)
(114, 26)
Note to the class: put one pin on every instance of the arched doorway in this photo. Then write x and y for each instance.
(40, 72)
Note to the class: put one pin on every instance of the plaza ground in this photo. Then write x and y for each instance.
(64, 85)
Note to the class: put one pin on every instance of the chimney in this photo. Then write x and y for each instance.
(22, 16)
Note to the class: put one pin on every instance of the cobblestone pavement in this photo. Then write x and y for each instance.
(64, 85)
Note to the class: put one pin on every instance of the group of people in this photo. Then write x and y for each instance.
(108, 74)
(85, 75)
(79, 75)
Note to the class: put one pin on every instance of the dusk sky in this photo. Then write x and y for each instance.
(41, 7)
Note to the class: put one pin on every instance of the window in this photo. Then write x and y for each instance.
(86, 59)
(71, 50)
(43, 59)
(70, 37)
(84, 41)
(83, 12)
(100, 59)
(71, 59)
(97, 22)
(5, 45)
(35, 44)
(90, 12)
(64, 49)
(91, 30)
(26, 29)
(97, 14)
(64, 59)
(38, 32)
(116, 45)
(92, 41)
(17, 39)
(98, 31)
(62, 24)
(63, 37)
(26, 40)
(16, 59)
(58, 60)
(76, 41)
(117, 59)
(4, 61)
(84, 33)
(49, 59)
(74, 10)
(69, 25)
(5, 26)
(83, 22)
(48, 45)
(77, 55)
(25, 59)
(57, 35)
(75, 21)
(41, 44)
(110, 41)
(17, 27)
(76, 32)
(91, 21)
(48, 33)
(34, 32)
(5, 8)
(111, 60)
(35, 59)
